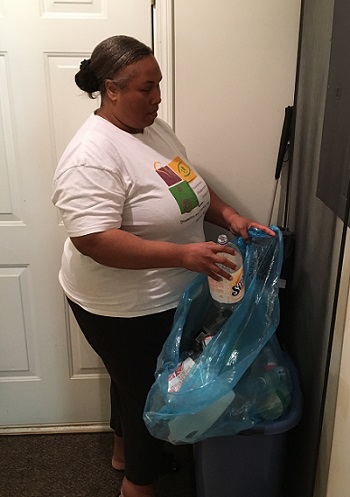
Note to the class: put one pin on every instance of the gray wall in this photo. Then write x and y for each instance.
(317, 244)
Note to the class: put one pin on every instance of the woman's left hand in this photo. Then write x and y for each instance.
(240, 225)
(227, 217)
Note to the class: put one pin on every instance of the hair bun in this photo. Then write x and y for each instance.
(85, 78)
(85, 64)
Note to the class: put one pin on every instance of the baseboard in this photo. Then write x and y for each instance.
(55, 429)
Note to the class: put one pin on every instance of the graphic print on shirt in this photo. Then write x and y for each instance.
(177, 175)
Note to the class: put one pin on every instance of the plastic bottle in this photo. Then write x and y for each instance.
(226, 295)
(228, 292)
(271, 392)
(264, 392)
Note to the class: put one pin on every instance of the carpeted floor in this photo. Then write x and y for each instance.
(78, 465)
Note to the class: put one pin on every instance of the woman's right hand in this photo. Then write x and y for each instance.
(204, 258)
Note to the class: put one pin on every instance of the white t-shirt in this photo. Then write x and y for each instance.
(142, 183)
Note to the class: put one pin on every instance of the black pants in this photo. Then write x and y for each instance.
(129, 348)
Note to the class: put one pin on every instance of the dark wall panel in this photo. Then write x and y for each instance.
(335, 149)
(317, 244)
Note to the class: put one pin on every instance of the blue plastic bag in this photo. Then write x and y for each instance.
(218, 395)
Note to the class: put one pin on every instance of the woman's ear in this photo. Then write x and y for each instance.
(111, 90)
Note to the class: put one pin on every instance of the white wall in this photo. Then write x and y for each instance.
(339, 474)
(235, 68)
(333, 476)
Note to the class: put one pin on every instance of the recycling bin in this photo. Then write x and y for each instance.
(249, 464)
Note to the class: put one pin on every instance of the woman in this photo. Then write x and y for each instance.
(133, 209)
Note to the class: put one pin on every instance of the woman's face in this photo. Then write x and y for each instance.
(135, 106)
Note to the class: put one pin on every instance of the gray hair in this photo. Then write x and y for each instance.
(107, 60)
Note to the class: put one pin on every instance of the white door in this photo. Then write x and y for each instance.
(48, 375)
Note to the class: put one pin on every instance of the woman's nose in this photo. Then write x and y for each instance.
(156, 96)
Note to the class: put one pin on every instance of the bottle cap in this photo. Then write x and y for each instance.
(222, 239)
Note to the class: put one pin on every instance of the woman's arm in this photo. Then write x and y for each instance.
(227, 217)
(120, 249)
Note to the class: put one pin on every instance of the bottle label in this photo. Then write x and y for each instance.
(177, 378)
(228, 291)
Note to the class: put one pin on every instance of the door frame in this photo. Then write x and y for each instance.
(163, 41)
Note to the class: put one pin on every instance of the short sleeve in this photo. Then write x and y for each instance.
(90, 199)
